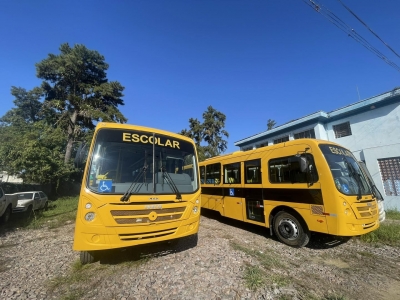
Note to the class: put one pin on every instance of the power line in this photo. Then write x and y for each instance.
(335, 20)
(362, 22)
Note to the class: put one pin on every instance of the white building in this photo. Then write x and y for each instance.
(4, 177)
(369, 128)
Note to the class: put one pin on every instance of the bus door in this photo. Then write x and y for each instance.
(232, 191)
(253, 192)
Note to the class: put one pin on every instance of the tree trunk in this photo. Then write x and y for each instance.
(71, 129)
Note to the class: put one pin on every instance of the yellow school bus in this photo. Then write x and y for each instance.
(140, 185)
(292, 188)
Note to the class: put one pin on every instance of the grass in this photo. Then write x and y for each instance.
(388, 232)
(393, 214)
(60, 212)
(254, 277)
(268, 261)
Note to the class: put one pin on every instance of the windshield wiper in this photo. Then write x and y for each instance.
(171, 183)
(134, 185)
(357, 178)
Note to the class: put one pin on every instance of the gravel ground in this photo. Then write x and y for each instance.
(228, 260)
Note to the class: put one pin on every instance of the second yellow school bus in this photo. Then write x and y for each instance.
(293, 188)
(140, 185)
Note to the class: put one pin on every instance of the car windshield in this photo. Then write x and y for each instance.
(25, 196)
(137, 162)
(349, 178)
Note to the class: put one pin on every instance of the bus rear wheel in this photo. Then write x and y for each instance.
(290, 230)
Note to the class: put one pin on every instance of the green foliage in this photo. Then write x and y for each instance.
(35, 152)
(254, 277)
(77, 89)
(27, 108)
(211, 131)
(59, 213)
(271, 123)
(388, 233)
(392, 214)
(38, 138)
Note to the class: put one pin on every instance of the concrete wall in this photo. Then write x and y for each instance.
(375, 135)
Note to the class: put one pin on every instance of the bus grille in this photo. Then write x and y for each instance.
(147, 235)
(366, 209)
(147, 215)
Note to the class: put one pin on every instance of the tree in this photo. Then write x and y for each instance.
(214, 122)
(27, 108)
(271, 123)
(211, 131)
(76, 87)
(34, 152)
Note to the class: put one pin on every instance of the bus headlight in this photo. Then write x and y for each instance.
(347, 211)
(195, 209)
(197, 201)
(90, 216)
(88, 205)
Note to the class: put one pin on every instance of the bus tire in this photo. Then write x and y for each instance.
(87, 257)
(290, 230)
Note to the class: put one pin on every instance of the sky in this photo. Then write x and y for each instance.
(252, 60)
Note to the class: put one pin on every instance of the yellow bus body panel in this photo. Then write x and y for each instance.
(333, 213)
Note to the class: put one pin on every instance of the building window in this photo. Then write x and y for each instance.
(247, 148)
(308, 134)
(262, 145)
(390, 173)
(342, 130)
(281, 140)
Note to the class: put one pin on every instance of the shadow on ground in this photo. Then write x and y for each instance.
(317, 240)
(143, 252)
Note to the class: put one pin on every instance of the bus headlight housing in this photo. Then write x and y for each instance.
(195, 209)
(90, 216)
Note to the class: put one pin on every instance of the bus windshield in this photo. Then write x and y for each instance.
(349, 178)
(137, 162)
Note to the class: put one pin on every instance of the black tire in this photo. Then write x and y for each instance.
(6, 215)
(29, 212)
(290, 230)
(46, 206)
(87, 257)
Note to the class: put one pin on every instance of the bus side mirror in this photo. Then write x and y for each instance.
(303, 164)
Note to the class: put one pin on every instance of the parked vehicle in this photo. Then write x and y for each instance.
(30, 201)
(7, 204)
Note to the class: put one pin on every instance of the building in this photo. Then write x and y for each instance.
(369, 128)
(4, 177)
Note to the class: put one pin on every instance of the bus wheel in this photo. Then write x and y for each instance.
(87, 257)
(290, 230)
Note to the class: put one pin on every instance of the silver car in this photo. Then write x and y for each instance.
(30, 201)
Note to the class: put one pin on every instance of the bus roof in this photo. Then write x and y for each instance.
(316, 142)
(111, 125)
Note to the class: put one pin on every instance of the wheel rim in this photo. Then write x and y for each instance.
(288, 229)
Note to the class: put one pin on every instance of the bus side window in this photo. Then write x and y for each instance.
(213, 173)
(202, 174)
(253, 171)
(232, 173)
(287, 170)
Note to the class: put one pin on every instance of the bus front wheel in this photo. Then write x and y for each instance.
(290, 230)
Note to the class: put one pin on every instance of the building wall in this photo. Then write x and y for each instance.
(375, 135)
